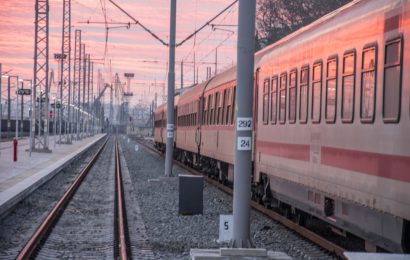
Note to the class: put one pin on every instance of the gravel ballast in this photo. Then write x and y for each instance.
(171, 236)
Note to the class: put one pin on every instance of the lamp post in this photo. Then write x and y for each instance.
(31, 118)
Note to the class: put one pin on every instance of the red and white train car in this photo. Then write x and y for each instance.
(160, 131)
(332, 122)
(333, 135)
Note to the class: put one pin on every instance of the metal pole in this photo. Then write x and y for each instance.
(1, 105)
(17, 109)
(31, 118)
(171, 91)
(216, 61)
(182, 74)
(243, 133)
(88, 93)
(93, 98)
(54, 121)
(22, 110)
(79, 87)
(84, 87)
(8, 108)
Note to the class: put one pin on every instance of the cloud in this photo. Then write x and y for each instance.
(127, 49)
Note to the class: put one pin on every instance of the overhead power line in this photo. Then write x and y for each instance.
(206, 24)
(139, 23)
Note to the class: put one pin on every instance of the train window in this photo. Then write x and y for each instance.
(228, 103)
(282, 98)
(304, 90)
(331, 90)
(204, 115)
(368, 84)
(348, 86)
(265, 103)
(209, 116)
(216, 114)
(292, 96)
(233, 106)
(392, 81)
(316, 92)
(274, 100)
(221, 109)
(222, 120)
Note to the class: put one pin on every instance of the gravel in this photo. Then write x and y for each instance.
(171, 236)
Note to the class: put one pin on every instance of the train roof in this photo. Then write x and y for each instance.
(193, 93)
(266, 53)
(311, 31)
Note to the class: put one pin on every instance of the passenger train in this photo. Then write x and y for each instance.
(331, 137)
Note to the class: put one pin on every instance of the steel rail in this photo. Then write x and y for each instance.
(45, 227)
(121, 215)
(304, 232)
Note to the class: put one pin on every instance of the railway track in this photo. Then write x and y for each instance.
(61, 212)
(302, 231)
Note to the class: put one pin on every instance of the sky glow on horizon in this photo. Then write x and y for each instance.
(129, 50)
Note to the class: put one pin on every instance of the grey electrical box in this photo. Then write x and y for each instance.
(190, 194)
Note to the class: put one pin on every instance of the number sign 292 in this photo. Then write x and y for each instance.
(244, 124)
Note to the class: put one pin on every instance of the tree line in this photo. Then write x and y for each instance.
(276, 19)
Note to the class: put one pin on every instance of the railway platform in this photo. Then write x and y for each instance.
(18, 179)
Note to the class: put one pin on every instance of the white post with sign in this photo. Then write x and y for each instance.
(225, 228)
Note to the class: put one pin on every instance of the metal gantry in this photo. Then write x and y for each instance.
(65, 73)
(40, 82)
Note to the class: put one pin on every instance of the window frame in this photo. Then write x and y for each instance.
(344, 75)
(265, 92)
(233, 119)
(304, 68)
(317, 63)
(210, 101)
(225, 92)
(293, 71)
(216, 106)
(373, 45)
(286, 96)
(389, 41)
(272, 120)
(335, 78)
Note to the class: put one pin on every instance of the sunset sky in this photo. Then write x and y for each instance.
(130, 50)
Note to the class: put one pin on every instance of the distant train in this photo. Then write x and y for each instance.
(332, 123)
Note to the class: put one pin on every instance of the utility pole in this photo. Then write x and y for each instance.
(194, 70)
(182, 74)
(22, 110)
(216, 60)
(244, 125)
(40, 79)
(88, 92)
(8, 108)
(93, 98)
(17, 109)
(77, 73)
(171, 91)
(1, 105)
(84, 87)
(65, 71)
